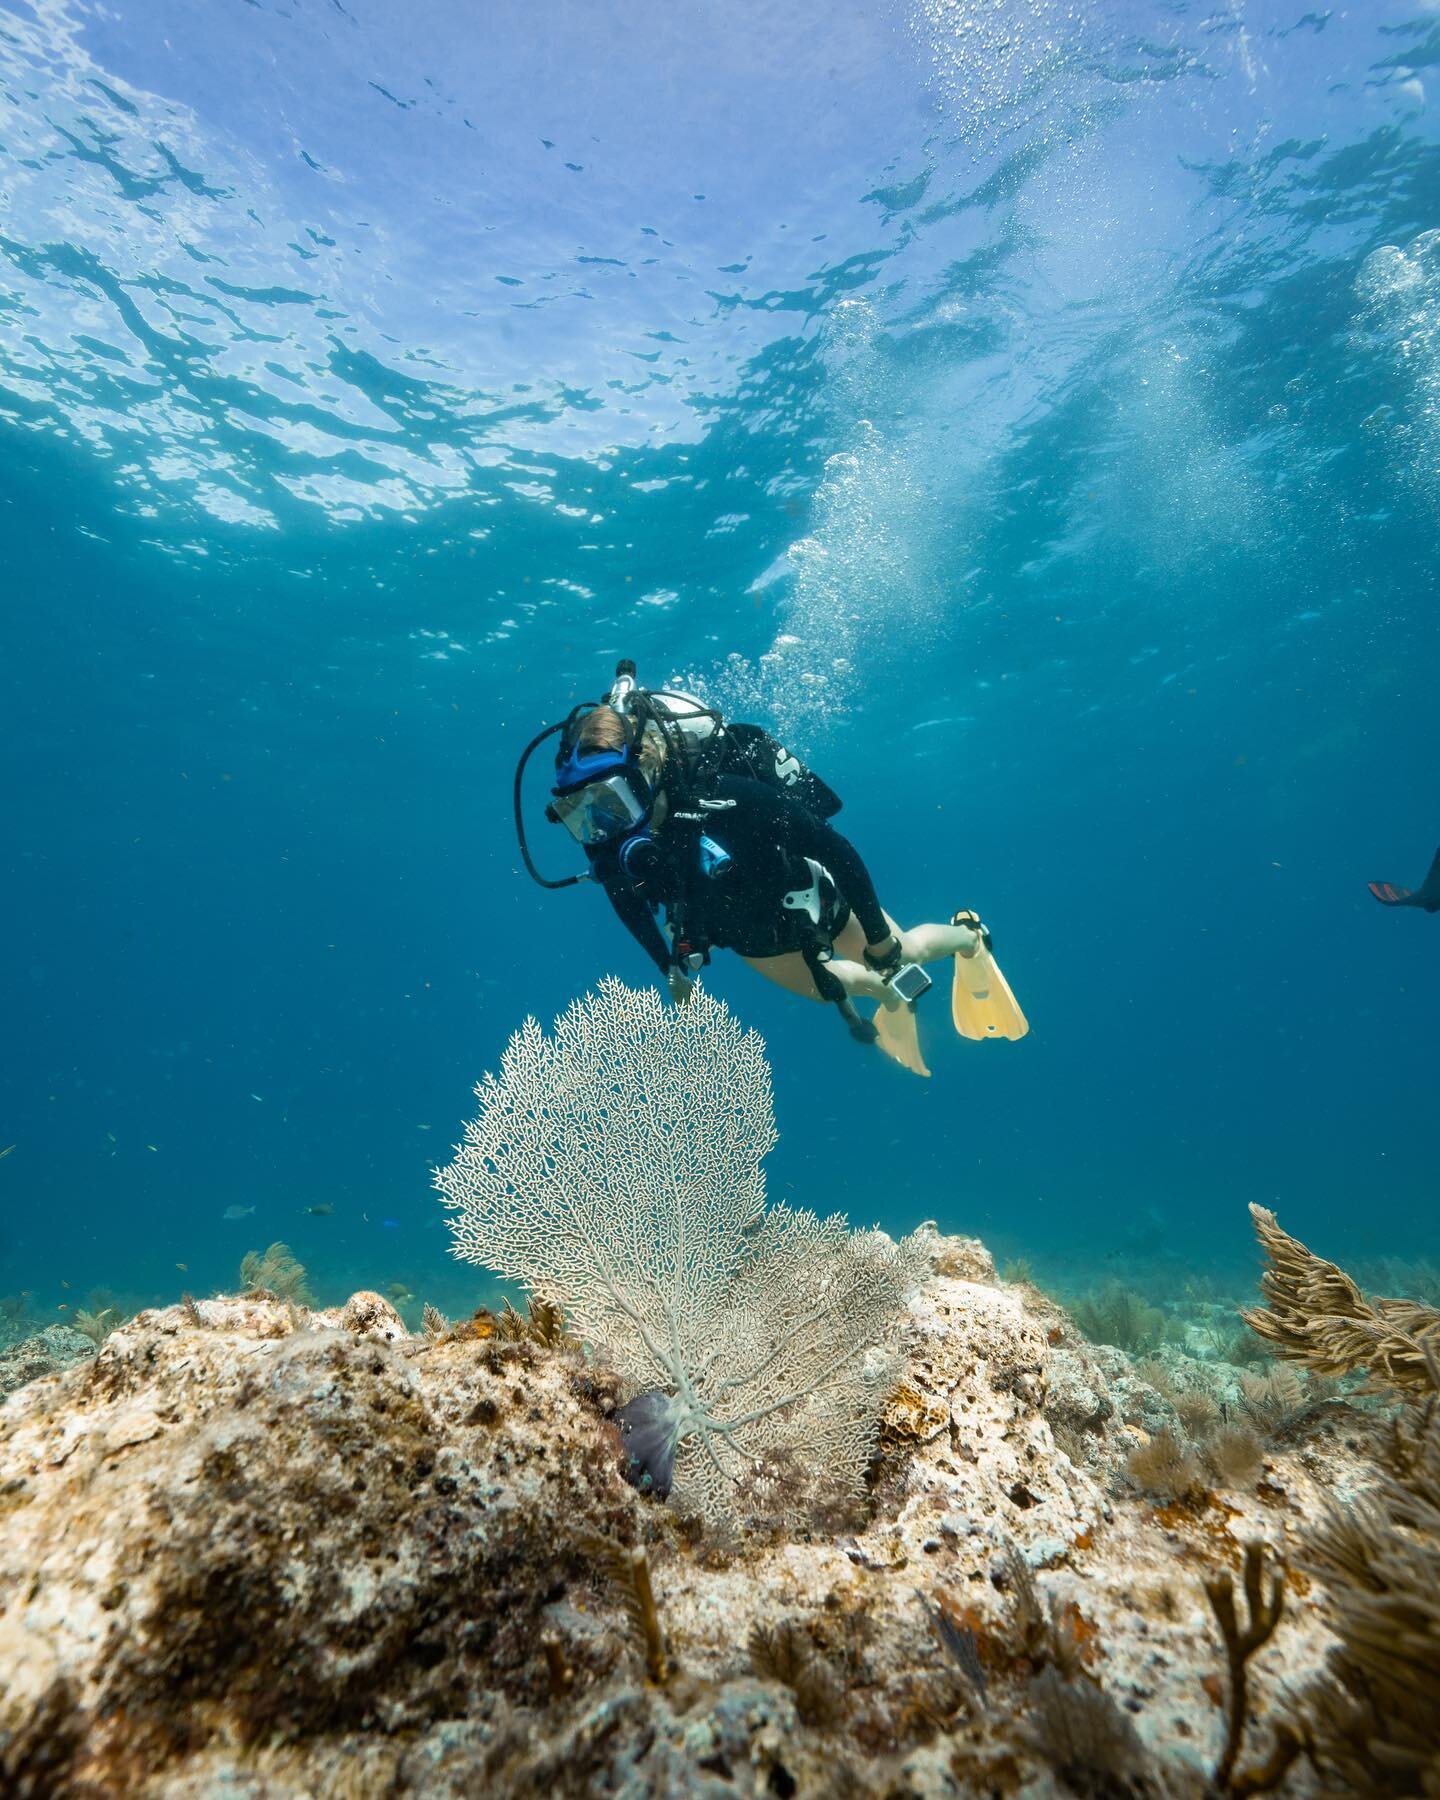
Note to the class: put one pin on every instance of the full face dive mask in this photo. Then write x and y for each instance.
(600, 795)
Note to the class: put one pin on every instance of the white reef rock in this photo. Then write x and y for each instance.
(264, 1552)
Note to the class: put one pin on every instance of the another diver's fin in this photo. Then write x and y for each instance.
(981, 1003)
(1428, 894)
(899, 1038)
(1427, 897)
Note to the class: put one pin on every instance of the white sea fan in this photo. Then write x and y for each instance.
(615, 1168)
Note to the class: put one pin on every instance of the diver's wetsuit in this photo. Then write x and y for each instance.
(767, 836)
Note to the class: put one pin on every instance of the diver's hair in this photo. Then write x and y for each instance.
(604, 729)
(652, 753)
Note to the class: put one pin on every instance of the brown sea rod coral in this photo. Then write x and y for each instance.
(1118, 1315)
(276, 1271)
(1087, 1739)
(1264, 1590)
(97, 1326)
(1275, 1398)
(1164, 1467)
(1235, 1456)
(1150, 1369)
(626, 1571)
(615, 1170)
(1199, 1411)
(786, 1653)
(1316, 1315)
(1372, 1723)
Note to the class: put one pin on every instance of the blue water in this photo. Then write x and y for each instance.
(1031, 411)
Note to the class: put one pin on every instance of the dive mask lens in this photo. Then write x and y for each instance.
(603, 810)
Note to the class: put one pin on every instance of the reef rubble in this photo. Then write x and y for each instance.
(260, 1550)
(51, 1348)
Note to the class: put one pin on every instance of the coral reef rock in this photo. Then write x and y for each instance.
(56, 1347)
(255, 1550)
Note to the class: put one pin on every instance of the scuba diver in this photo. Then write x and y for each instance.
(1427, 895)
(719, 827)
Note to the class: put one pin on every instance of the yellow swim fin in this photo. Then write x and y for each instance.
(981, 1003)
(899, 1038)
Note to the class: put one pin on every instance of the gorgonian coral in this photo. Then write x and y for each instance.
(615, 1169)
(1316, 1315)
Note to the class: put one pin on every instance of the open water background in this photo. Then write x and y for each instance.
(1032, 409)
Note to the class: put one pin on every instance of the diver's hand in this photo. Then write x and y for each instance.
(681, 985)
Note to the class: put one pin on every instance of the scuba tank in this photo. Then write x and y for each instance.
(708, 746)
(753, 751)
(700, 745)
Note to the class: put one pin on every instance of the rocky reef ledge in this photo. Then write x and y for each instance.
(253, 1550)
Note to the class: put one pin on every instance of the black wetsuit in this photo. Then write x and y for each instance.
(767, 836)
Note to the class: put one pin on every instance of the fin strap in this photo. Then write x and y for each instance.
(976, 924)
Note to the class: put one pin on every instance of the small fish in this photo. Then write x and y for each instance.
(259, 1097)
(150, 1146)
(237, 1212)
(62, 1307)
(422, 1127)
(391, 1224)
(6, 1151)
(184, 1268)
(65, 1284)
(321, 1211)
